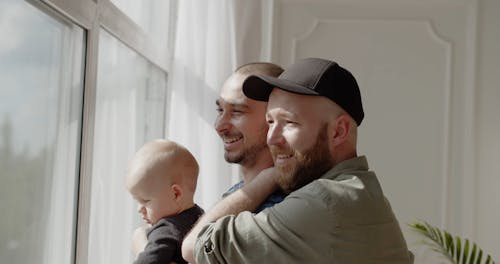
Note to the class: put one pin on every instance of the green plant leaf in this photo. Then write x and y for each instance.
(465, 256)
(458, 250)
(488, 259)
(473, 254)
(455, 249)
(449, 244)
(479, 256)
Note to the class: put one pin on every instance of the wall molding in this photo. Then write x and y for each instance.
(447, 115)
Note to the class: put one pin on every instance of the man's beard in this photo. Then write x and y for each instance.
(310, 165)
(248, 156)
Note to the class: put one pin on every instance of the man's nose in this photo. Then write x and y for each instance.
(222, 122)
(275, 136)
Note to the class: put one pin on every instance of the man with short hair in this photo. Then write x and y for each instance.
(335, 211)
(242, 126)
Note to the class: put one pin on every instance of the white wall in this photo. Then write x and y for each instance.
(488, 128)
(429, 73)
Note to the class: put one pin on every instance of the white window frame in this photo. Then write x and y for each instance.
(92, 15)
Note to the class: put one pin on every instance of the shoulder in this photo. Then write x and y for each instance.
(178, 225)
(344, 188)
(164, 229)
(354, 198)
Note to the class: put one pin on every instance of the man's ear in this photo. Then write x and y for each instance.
(341, 130)
(177, 191)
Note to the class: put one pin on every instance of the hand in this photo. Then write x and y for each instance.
(139, 240)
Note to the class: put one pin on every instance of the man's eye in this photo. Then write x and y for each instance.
(219, 110)
(269, 122)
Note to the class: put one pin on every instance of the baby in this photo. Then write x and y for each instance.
(162, 179)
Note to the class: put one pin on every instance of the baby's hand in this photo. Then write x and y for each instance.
(139, 240)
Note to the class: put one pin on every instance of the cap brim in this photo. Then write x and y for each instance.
(259, 87)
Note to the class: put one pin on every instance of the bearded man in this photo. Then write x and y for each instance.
(335, 210)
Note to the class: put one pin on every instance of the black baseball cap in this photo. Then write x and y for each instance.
(311, 76)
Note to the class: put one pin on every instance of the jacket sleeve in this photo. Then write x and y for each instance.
(161, 247)
(275, 235)
(325, 221)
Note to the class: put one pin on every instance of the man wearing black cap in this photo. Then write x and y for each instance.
(335, 211)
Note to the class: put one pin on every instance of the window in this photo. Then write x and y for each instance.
(84, 84)
(41, 106)
(129, 111)
(152, 16)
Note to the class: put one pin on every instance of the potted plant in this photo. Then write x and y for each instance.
(455, 249)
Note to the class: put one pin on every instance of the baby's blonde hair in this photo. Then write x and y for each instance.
(164, 161)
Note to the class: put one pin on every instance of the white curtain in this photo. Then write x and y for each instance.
(129, 108)
(68, 83)
(212, 39)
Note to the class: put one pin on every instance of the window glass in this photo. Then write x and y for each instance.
(152, 16)
(41, 71)
(130, 110)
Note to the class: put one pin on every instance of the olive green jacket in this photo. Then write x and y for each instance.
(342, 217)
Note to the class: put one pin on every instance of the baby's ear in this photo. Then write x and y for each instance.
(177, 191)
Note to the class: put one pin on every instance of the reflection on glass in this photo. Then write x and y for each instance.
(41, 94)
(130, 104)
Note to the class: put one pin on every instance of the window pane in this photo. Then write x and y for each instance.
(41, 71)
(152, 16)
(130, 104)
